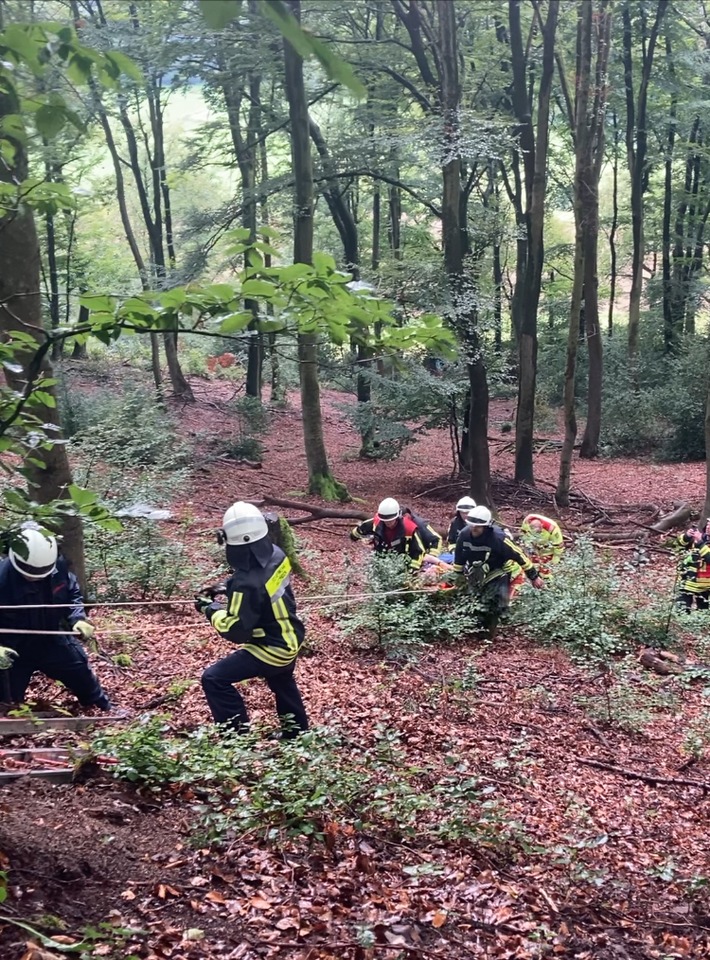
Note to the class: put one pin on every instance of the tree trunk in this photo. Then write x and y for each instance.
(534, 146)
(669, 332)
(706, 505)
(464, 315)
(21, 310)
(593, 22)
(636, 148)
(614, 226)
(320, 479)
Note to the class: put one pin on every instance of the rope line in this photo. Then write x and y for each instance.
(167, 603)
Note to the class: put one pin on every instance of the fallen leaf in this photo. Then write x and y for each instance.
(260, 904)
(439, 919)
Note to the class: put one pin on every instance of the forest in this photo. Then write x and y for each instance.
(311, 256)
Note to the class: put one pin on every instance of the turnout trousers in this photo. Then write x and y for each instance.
(59, 658)
(227, 704)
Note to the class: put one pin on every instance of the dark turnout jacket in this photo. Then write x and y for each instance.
(60, 591)
(260, 614)
(492, 550)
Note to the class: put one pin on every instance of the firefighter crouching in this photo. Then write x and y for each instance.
(390, 531)
(481, 555)
(260, 616)
(42, 594)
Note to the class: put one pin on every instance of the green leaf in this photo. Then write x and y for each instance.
(173, 298)
(50, 119)
(12, 125)
(124, 65)
(258, 288)
(222, 291)
(218, 13)
(235, 321)
(41, 396)
(97, 303)
(294, 271)
(81, 497)
(306, 45)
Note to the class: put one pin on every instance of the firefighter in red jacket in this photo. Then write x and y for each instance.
(389, 531)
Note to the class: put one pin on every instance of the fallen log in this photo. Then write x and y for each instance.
(645, 777)
(314, 512)
(682, 513)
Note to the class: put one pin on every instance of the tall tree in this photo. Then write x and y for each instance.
(532, 140)
(320, 479)
(642, 52)
(593, 36)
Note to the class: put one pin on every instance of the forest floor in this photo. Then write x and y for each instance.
(580, 861)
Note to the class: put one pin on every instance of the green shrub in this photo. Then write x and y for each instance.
(587, 607)
(128, 430)
(663, 412)
(139, 563)
(301, 787)
(251, 422)
(627, 701)
(401, 618)
(405, 405)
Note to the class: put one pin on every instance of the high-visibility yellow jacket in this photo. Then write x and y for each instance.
(545, 546)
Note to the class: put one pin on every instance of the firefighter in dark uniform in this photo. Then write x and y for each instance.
(36, 583)
(260, 616)
(481, 555)
(458, 523)
(390, 531)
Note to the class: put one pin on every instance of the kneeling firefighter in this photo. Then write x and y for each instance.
(260, 616)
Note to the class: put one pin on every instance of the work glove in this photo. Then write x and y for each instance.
(7, 655)
(202, 603)
(85, 629)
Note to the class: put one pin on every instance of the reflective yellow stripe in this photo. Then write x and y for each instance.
(258, 632)
(287, 631)
(277, 577)
(224, 620)
(275, 656)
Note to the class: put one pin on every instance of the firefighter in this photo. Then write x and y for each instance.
(390, 531)
(483, 551)
(543, 539)
(260, 616)
(694, 568)
(458, 523)
(36, 583)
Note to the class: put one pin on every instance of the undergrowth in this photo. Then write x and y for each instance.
(590, 608)
(322, 782)
(401, 620)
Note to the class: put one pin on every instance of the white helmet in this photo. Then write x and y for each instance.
(39, 559)
(388, 509)
(243, 523)
(479, 517)
(465, 504)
